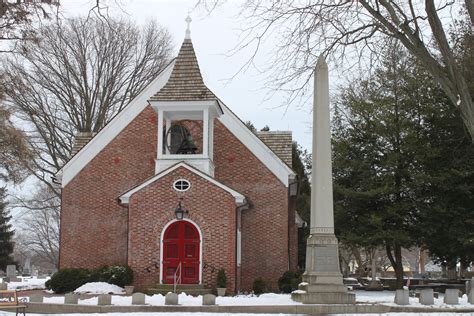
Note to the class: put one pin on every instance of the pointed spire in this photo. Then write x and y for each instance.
(185, 82)
(188, 29)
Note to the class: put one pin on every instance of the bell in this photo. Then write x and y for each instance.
(188, 147)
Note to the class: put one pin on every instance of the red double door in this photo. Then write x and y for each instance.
(181, 245)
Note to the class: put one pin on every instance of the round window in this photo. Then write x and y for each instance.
(181, 185)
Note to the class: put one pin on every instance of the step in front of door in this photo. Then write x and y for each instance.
(190, 289)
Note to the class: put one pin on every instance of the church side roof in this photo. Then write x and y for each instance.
(185, 82)
(280, 142)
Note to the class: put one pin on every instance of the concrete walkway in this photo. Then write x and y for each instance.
(46, 308)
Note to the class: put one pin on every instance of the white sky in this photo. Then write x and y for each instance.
(213, 37)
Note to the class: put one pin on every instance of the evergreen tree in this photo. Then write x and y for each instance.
(6, 233)
(403, 166)
(301, 163)
(375, 171)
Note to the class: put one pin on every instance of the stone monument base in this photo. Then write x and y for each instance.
(323, 294)
(322, 281)
(323, 298)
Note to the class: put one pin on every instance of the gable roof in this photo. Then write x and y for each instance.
(280, 142)
(112, 129)
(239, 198)
(172, 82)
(185, 82)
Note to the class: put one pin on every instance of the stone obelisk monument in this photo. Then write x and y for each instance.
(322, 280)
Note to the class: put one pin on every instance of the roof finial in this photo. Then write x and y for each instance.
(188, 30)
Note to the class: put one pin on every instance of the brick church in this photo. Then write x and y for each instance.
(176, 185)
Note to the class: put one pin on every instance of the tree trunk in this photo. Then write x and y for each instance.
(360, 265)
(444, 271)
(396, 261)
(452, 274)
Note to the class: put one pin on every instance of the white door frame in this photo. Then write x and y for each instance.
(201, 241)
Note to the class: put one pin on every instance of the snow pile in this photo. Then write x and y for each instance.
(99, 288)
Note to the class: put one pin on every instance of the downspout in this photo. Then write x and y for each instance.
(238, 244)
(293, 189)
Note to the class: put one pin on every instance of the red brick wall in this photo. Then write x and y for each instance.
(210, 207)
(265, 224)
(93, 224)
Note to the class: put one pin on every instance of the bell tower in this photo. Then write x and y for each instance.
(186, 111)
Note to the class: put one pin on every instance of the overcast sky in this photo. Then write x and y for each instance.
(213, 37)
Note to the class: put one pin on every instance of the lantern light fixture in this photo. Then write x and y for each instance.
(179, 211)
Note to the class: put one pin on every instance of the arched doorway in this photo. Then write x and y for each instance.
(181, 244)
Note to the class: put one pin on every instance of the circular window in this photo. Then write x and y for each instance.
(181, 185)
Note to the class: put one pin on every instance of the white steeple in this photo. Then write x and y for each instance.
(188, 30)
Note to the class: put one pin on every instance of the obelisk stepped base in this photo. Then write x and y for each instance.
(322, 281)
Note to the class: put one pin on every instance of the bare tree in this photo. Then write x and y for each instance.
(14, 151)
(76, 79)
(305, 29)
(17, 17)
(39, 225)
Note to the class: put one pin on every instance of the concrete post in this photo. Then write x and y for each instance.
(402, 297)
(104, 299)
(451, 296)
(470, 292)
(36, 299)
(209, 299)
(71, 298)
(171, 299)
(138, 299)
(427, 297)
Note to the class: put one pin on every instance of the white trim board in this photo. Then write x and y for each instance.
(239, 198)
(201, 236)
(113, 128)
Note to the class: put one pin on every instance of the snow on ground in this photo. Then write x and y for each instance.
(99, 288)
(28, 283)
(385, 297)
(188, 300)
(388, 297)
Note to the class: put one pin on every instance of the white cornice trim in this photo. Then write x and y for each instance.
(256, 146)
(113, 128)
(239, 198)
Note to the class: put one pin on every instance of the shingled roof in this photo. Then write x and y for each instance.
(280, 142)
(185, 82)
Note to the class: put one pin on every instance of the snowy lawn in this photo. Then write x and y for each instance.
(270, 299)
(28, 283)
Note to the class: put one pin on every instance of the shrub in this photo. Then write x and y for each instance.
(259, 286)
(289, 281)
(118, 275)
(221, 278)
(67, 280)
